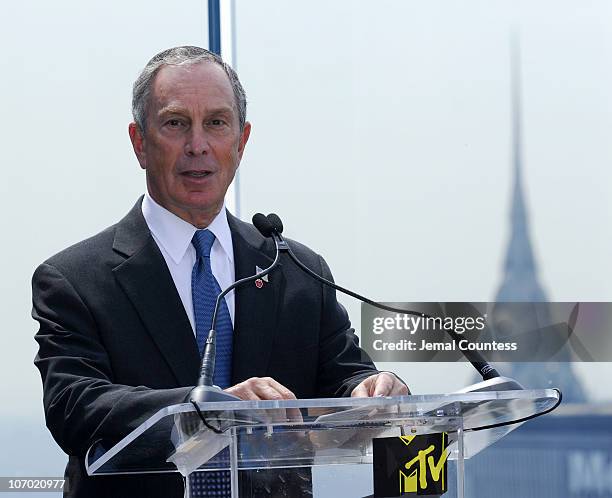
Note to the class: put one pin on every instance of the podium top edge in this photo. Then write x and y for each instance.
(475, 397)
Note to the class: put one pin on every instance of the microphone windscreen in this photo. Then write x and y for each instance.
(263, 224)
(275, 221)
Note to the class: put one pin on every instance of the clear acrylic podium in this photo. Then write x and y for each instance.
(324, 435)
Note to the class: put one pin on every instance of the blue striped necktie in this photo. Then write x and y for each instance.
(204, 291)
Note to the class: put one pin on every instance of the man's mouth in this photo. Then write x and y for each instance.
(196, 174)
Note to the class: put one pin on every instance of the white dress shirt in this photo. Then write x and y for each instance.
(173, 236)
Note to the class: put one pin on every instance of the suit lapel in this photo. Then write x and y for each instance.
(146, 280)
(256, 314)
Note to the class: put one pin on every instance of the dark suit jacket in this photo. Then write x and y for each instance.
(115, 344)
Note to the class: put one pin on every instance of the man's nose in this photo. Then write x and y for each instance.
(197, 143)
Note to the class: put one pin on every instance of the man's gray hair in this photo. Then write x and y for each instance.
(174, 57)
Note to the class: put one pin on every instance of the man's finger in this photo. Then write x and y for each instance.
(286, 393)
(267, 391)
(383, 384)
(392, 384)
(380, 384)
(294, 415)
(363, 389)
(400, 389)
(255, 389)
(243, 391)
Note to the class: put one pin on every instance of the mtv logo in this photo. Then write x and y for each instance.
(410, 465)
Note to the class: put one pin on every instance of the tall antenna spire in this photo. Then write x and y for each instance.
(520, 279)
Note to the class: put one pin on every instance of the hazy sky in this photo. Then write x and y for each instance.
(381, 135)
(388, 148)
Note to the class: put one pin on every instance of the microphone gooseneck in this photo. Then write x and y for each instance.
(474, 357)
(205, 390)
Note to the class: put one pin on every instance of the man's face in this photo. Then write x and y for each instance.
(192, 145)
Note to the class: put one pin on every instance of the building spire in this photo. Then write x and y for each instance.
(520, 275)
(520, 281)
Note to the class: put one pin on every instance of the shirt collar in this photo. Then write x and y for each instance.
(175, 234)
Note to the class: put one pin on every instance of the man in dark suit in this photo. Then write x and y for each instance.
(119, 330)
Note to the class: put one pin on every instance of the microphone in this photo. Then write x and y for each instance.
(205, 390)
(492, 380)
(263, 224)
(275, 222)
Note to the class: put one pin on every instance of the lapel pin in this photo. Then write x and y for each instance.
(264, 278)
(259, 283)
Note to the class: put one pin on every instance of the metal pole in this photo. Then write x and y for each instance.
(214, 27)
(221, 21)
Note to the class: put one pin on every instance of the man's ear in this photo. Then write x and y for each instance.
(137, 138)
(244, 138)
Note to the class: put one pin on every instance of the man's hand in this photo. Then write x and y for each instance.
(260, 388)
(381, 384)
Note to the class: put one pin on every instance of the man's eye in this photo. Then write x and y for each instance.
(217, 122)
(174, 123)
